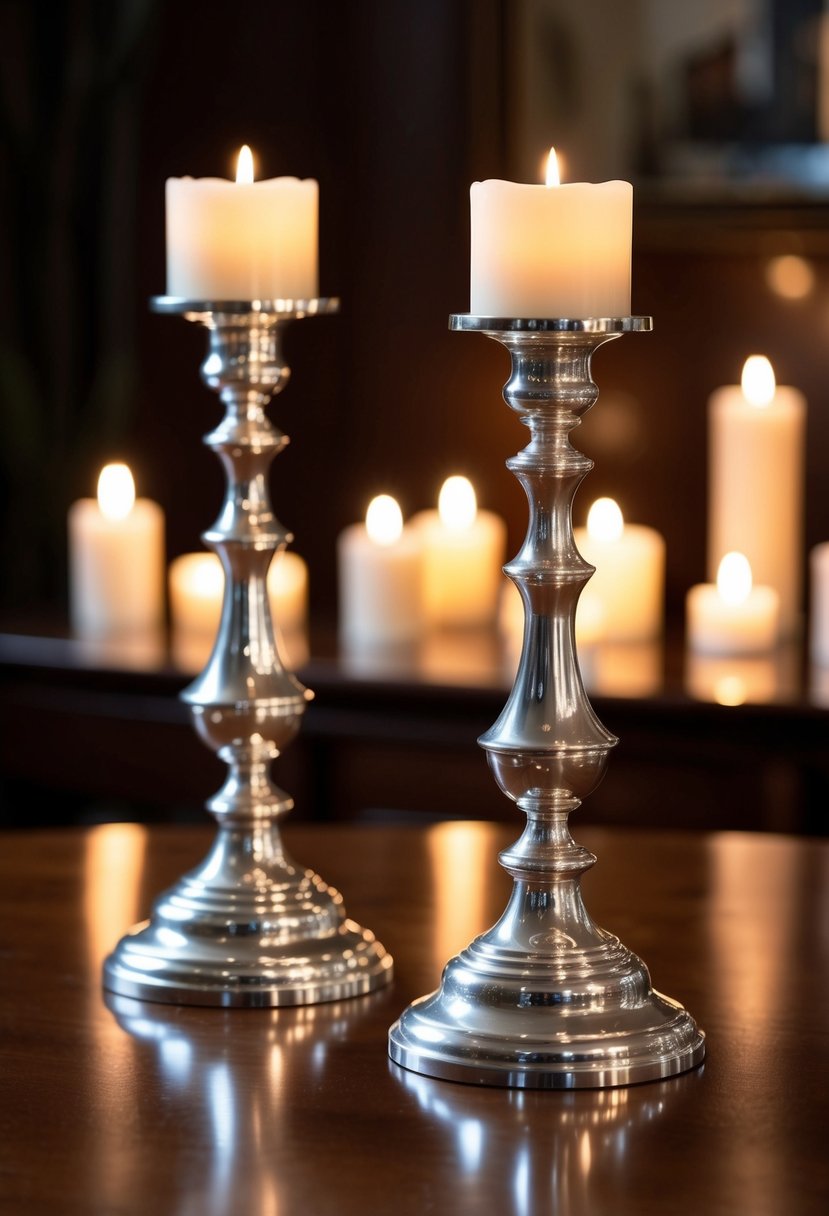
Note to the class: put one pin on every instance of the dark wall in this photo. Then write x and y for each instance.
(395, 107)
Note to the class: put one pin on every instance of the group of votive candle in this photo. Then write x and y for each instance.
(443, 567)
(536, 251)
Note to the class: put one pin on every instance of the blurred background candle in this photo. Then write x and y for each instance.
(551, 250)
(734, 617)
(629, 583)
(464, 549)
(242, 240)
(380, 578)
(196, 587)
(756, 482)
(116, 559)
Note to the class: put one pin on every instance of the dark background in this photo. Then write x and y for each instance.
(394, 107)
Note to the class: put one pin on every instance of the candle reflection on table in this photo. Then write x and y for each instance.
(113, 872)
(741, 680)
(748, 966)
(469, 657)
(554, 1152)
(242, 1086)
(458, 856)
(622, 669)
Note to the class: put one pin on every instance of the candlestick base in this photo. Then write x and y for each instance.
(536, 1005)
(547, 999)
(248, 926)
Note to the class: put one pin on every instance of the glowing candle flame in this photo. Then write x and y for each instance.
(384, 520)
(734, 579)
(758, 381)
(116, 491)
(553, 177)
(457, 505)
(244, 166)
(605, 521)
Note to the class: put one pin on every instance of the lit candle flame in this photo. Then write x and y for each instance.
(457, 505)
(758, 381)
(553, 177)
(244, 166)
(116, 491)
(734, 579)
(605, 521)
(384, 520)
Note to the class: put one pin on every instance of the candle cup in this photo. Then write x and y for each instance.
(547, 999)
(248, 926)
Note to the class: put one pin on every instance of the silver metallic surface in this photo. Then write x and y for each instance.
(546, 998)
(248, 926)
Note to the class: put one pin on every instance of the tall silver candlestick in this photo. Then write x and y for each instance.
(247, 926)
(546, 998)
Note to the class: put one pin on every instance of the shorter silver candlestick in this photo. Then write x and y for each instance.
(247, 926)
(546, 998)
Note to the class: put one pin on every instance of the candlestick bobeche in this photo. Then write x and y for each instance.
(248, 926)
(546, 998)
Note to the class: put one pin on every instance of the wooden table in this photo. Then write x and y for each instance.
(116, 1107)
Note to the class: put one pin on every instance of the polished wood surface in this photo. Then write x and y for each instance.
(113, 1106)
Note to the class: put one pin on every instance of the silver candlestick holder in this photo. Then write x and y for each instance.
(247, 926)
(546, 998)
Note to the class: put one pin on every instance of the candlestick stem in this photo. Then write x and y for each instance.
(248, 926)
(546, 998)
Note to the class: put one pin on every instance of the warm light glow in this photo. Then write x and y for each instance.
(758, 381)
(734, 578)
(286, 573)
(605, 521)
(553, 176)
(116, 491)
(113, 867)
(244, 166)
(207, 575)
(384, 520)
(457, 505)
(457, 863)
(730, 690)
(790, 277)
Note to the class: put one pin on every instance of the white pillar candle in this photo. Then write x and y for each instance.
(380, 564)
(755, 502)
(196, 586)
(734, 617)
(116, 559)
(819, 605)
(464, 549)
(242, 240)
(629, 582)
(552, 250)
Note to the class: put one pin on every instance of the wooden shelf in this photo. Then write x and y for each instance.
(101, 725)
